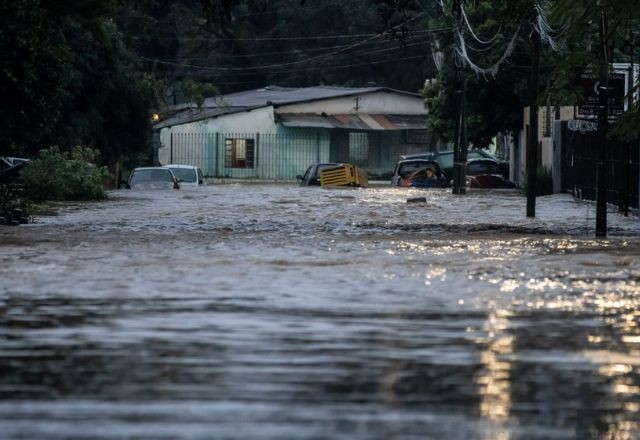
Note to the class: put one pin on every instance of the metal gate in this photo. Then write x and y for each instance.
(579, 157)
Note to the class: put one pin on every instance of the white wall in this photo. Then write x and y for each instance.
(548, 146)
(260, 120)
(373, 103)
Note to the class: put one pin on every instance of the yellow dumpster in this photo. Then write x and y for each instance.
(344, 175)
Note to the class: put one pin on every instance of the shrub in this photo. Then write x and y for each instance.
(9, 201)
(544, 182)
(56, 175)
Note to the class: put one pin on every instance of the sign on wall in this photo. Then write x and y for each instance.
(591, 88)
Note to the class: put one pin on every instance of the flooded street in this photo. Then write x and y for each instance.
(272, 311)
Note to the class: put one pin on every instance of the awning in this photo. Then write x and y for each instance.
(353, 122)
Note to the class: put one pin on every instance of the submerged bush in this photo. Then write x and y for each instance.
(544, 182)
(10, 200)
(56, 175)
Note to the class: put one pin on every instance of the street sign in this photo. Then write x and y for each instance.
(591, 89)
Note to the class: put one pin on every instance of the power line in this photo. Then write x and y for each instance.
(330, 67)
(253, 70)
(344, 66)
(276, 65)
(363, 53)
(286, 52)
(300, 38)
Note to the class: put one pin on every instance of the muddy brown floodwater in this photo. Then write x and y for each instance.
(271, 311)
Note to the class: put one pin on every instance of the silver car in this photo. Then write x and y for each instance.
(152, 178)
(187, 175)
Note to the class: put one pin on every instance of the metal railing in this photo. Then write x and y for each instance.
(268, 156)
(282, 156)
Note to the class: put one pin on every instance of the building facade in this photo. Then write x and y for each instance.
(276, 132)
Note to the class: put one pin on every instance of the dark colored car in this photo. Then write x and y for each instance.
(486, 173)
(312, 176)
(445, 159)
(418, 173)
(10, 169)
(152, 178)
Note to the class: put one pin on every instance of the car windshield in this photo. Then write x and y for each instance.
(411, 167)
(445, 160)
(419, 156)
(482, 167)
(153, 175)
(473, 154)
(184, 174)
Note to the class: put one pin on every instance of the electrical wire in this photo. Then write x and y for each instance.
(276, 65)
(473, 34)
(492, 70)
(209, 69)
(300, 38)
(287, 52)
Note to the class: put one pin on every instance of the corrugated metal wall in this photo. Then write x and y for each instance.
(282, 156)
(272, 156)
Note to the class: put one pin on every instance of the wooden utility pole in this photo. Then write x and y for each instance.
(627, 148)
(532, 139)
(459, 144)
(603, 126)
(462, 171)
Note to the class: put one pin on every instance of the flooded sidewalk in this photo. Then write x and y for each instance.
(272, 311)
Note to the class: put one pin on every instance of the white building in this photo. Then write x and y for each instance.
(277, 132)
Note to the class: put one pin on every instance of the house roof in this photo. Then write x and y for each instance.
(195, 114)
(267, 96)
(288, 95)
(354, 122)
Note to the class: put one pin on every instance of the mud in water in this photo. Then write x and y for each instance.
(271, 311)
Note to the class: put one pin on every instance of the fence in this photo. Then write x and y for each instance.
(579, 160)
(267, 156)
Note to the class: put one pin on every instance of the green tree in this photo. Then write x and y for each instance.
(494, 100)
(581, 21)
(34, 75)
(69, 79)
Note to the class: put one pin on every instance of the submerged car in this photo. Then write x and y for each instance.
(418, 173)
(445, 160)
(152, 178)
(311, 177)
(10, 169)
(7, 162)
(486, 173)
(187, 175)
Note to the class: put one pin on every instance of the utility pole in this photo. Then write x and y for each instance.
(462, 170)
(459, 143)
(532, 139)
(627, 148)
(603, 126)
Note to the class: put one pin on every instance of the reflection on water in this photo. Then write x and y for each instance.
(494, 380)
(245, 311)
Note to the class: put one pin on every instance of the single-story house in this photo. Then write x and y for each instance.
(277, 132)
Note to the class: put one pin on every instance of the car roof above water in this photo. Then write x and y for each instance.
(186, 167)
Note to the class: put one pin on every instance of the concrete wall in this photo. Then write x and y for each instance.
(372, 103)
(546, 149)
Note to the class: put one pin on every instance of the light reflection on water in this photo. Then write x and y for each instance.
(271, 311)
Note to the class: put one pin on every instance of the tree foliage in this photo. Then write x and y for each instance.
(70, 79)
(72, 175)
(581, 21)
(91, 72)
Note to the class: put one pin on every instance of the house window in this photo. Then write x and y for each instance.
(239, 153)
